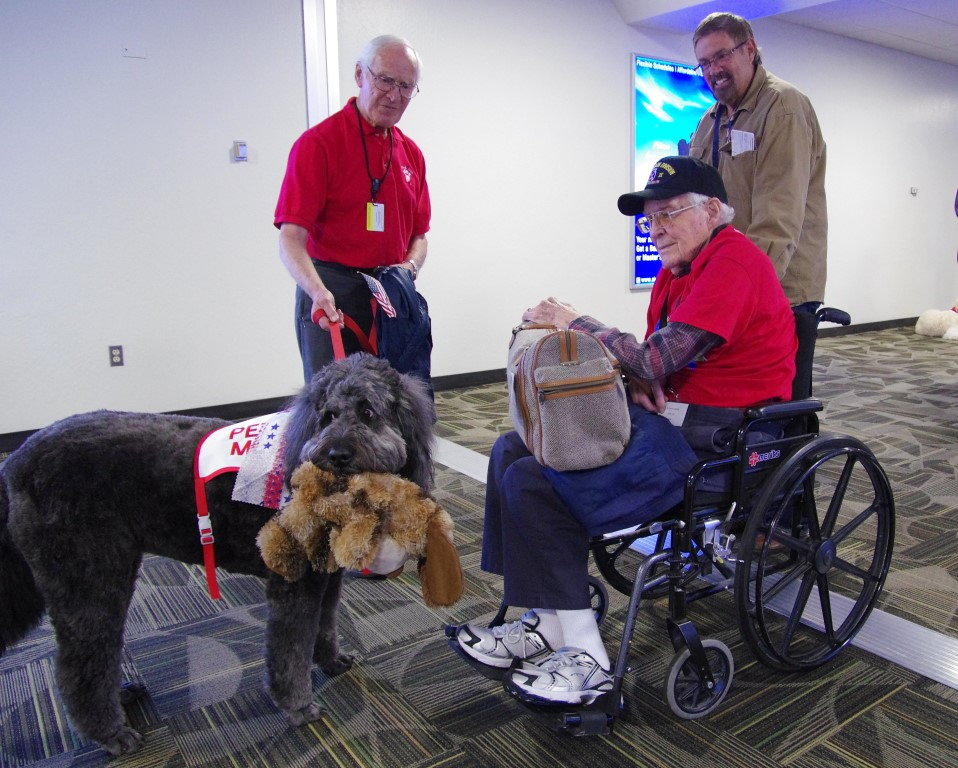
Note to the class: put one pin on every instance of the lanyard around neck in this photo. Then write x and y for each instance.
(715, 133)
(374, 183)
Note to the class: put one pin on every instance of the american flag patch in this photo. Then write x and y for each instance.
(379, 293)
(259, 478)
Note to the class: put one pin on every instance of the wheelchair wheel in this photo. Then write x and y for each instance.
(814, 554)
(688, 694)
(599, 599)
(618, 561)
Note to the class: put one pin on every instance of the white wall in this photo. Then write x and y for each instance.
(891, 123)
(123, 219)
(126, 223)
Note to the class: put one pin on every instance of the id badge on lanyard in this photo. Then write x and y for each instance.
(375, 217)
(375, 212)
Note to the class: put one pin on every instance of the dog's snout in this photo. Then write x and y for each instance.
(340, 456)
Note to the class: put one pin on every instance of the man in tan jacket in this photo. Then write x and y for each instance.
(764, 138)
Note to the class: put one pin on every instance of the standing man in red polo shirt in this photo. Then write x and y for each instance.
(354, 199)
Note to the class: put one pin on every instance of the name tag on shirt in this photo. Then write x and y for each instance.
(742, 141)
(375, 217)
(675, 412)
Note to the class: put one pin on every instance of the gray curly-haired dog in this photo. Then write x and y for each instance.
(82, 500)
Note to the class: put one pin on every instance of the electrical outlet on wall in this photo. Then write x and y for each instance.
(116, 355)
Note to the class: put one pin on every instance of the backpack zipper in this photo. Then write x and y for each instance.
(578, 387)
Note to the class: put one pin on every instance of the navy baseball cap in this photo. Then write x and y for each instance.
(674, 176)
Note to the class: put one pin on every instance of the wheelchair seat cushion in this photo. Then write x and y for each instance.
(647, 480)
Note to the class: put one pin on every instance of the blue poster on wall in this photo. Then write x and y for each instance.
(668, 100)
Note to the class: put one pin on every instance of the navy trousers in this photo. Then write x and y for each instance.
(537, 539)
(529, 537)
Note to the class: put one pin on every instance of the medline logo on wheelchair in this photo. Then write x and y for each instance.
(757, 458)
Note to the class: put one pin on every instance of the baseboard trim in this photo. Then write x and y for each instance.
(237, 411)
(249, 409)
(228, 411)
(13, 440)
(252, 408)
(474, 379)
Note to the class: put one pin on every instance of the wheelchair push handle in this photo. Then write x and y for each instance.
(833, 315)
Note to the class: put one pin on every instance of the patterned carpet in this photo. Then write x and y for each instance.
(411, 702)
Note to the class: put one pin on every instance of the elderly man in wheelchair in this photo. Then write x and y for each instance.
(714, 378)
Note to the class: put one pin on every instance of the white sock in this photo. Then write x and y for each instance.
(549, 626)
(580, 630)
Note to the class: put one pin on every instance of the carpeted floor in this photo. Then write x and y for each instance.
(411, 702)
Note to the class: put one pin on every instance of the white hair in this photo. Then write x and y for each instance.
(726, 212)
(374, 46)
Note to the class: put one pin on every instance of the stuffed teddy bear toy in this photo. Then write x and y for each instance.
(367, 522)
(939, 322)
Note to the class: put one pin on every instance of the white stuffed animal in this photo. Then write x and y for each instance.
(939, 322)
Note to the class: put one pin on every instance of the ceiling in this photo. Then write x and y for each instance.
(927, 28)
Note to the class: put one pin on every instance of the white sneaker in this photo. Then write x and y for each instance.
(498, 646)
(569, 676)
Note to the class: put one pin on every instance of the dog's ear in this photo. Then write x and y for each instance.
(305, 409)
(440, 571)
(302, 425)
(416, 415)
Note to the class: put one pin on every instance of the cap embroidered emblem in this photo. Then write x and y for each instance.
(660, 171)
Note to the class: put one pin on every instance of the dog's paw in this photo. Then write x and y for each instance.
(123, 742)
(308, 714)
(340, 663)
(130, 692)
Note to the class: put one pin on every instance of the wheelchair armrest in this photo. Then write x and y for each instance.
(784, 410)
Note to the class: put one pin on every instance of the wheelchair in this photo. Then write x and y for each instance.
(802, 537)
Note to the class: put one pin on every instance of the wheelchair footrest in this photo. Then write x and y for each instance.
(596, 718)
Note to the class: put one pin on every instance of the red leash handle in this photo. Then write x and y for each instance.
(335, 331)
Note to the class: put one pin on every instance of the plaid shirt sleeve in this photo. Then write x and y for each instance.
(667, 350)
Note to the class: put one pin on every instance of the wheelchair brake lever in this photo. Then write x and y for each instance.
(723, 547)
(718, 544)
(731, 511)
